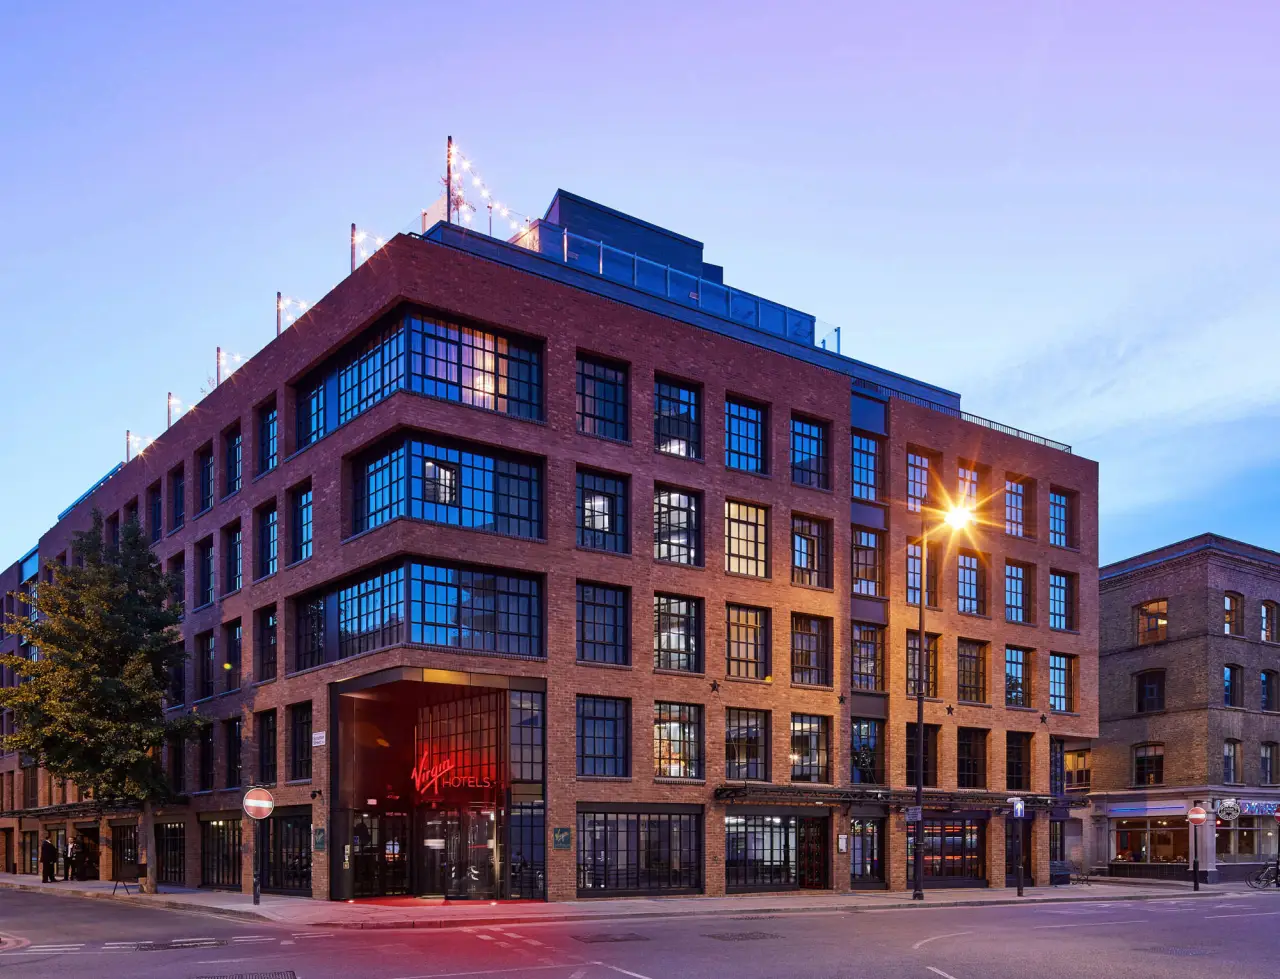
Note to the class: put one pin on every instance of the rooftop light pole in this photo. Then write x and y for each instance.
(956, 518)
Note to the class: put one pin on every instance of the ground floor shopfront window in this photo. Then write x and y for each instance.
(639, 852)
(284, 851)
(29, 853)
(171, 853)
(1250, 839)
(866, 852)
(440, 791)
(220, 852)
(771, 852)
(954, 852)
(1158, 840)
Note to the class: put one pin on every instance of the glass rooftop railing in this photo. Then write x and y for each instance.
(638, 272)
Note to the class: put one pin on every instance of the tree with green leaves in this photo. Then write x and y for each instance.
(89, 706)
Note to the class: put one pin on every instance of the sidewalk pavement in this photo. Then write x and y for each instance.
(409, 913)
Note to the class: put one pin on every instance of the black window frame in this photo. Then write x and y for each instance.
(811, 652)
(1062, 683)
(971, 583)
(679, 750)
(811, 548)
(1062, 600)
(1148, 763)
(747, 743)
(301, 523)
(866, 751)
(746, 553)
(677, 417)
(603, 398)
(866, 574)
(614, 491)
(930, 677)
(685, 610)
(866, 465)
(1017, 676)
(301, 721)
(747, 641)
(1017, 761)
(268, 429)
(614, 713)
(746, 436)
(677, 511)
(931, 737)
(603, 623)
(971, 757)
(233, 460)
(866, 657)
(1149, 691)
(971, 671)
(812, 733)
(810, 443)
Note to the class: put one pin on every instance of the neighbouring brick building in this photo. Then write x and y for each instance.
(556, 567)
(1189, 709)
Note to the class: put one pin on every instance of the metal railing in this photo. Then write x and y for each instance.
(888, 392)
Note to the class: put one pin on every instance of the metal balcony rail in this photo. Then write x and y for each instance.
(888, 392)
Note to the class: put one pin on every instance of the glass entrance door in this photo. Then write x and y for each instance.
(379, 855)
(458, 853)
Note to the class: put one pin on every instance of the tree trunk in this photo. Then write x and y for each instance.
(147, 830)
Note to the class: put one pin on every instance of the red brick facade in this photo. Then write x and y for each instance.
(569, 321)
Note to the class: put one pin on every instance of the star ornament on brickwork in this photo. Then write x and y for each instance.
(715, 686)
(950, 709)
(1044, 719)
(842, 698)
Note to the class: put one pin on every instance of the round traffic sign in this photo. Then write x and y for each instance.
(258, 803)
(1196, 816)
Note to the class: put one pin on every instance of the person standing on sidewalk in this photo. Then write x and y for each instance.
(48, 862)
(73, 854)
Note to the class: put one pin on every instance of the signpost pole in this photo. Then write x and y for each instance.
(1196, 818)
(257, 862)
(258, 804)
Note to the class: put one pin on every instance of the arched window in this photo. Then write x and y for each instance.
(1270, 626)
(1233, 614)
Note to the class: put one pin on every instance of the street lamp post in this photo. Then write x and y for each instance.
(955, 518)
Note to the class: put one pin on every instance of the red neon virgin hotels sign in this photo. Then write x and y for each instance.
(429, 777)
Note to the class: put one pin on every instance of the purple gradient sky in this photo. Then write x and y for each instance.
(1069, 212)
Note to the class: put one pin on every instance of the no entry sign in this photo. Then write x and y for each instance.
(1196, 816)
(258, 803)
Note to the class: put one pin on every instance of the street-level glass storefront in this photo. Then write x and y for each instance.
(954, 853)
(638, 849)
(866, 852)
(1151, 840)
(1250, 839)
(440, 788)
(771, 851)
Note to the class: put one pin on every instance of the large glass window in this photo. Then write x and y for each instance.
(1017, 677)
(456, 484)
(866, 751)
(745, 436)
(528, 735)
(1062, 682)
(747, 642)
(809, 465)
(954, 849)
(1267, 758)
(677, 418)
(233, 643)
(204, 572)
(930, 755)
(371, 613)
(603, 614)
(746, 744)
(1076, 768)
(1250, 839)
(475, 609)
(810, 650)
(746, 539)
(971, 758)
(971, 583)
(867, 656)
(1015, 507)
(967, 481)
(922, 675)
(866, 852)
(760, 852)
(602, 398)
(677, 525)
(268, 438)
(810, 748)
(232, 732)
(639, 852)
(1153, 621)
(971, 671)
(266, 644)
(233, 559)
(301, 516)
(267, 557)
(867, 461)
(206, 658)
(1062, 600)
(220, 858)
(177, 498)
(917, 481)
(604, 737)
(913, 575)
(232, 472)
(1062, 532)
(1018, 603)
(1148, 764)
(868, 562)
(476, 367)
(677, 740)
(602, 512)
(373, 371)
(1017, 761)
(1150, 841)
(810, 551)
(677, 633)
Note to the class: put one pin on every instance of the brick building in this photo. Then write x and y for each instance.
(556, 567)
(1189, 709)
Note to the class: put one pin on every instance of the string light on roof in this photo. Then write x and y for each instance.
(466, 210)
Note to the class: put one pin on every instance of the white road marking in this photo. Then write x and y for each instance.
(491, 972)
(637, 975)
(220, 961)
(1247, 914)
(939, 972)
(55, 948)
(512, 934)
(484, 938)
(934, 938)
(533, 941)
(579, 974)
(1091, 924)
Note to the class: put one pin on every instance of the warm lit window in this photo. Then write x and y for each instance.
(1076, 765)
(677, 740)
(1232, 614)
(1153, 621)
(747, 642)
(746, 538)
(1270, 627)
(677, 633)
(810, 748)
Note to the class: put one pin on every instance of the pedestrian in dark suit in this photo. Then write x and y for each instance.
(49, 861)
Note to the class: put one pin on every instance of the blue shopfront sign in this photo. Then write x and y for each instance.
(1258, 808)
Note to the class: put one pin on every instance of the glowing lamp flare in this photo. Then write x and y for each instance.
(958, 518)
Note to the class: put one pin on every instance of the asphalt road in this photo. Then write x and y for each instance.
(1235, 936)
